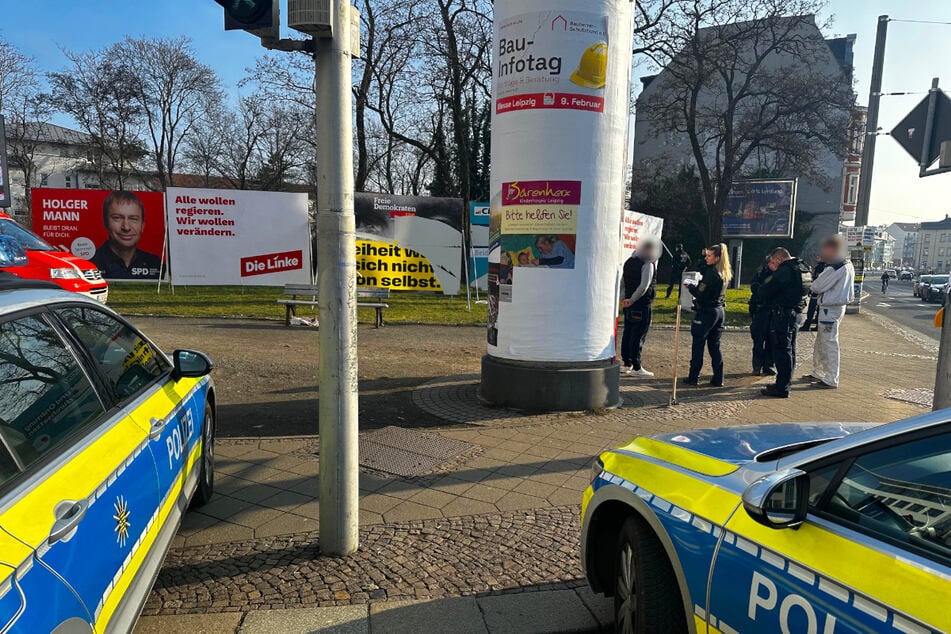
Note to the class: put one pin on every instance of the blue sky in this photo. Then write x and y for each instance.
(916, 53)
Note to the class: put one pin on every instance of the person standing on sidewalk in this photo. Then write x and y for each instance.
(836, 289)
(681, 264)
(709, 296)
(813, 310)
(759, 325)
(784, 292)
(640, 289)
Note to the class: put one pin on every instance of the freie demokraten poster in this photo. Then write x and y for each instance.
(121, 232)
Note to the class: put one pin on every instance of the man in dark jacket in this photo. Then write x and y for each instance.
(759, 325)
(681, 263)
(783, 293)
(639, 281)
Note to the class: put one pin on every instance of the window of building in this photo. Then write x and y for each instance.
(69, 183)
(44, 180)
(853, 190)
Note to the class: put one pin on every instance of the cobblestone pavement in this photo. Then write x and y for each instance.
(429, 559)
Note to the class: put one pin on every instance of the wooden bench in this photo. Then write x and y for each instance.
(375, 295)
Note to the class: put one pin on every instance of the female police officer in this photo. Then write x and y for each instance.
(709, 294)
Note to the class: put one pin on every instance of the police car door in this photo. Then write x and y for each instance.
(86, 486)
(139, 376)
(874, 554)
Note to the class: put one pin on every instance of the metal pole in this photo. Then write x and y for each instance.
(929, 129)
(336, 274)
(871, 127)
(942, 381)
(673, 389)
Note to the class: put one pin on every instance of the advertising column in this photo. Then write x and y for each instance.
(561, 87)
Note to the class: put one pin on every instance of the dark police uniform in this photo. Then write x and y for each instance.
(759, 325)
(144, 265)
(783, 294)
(707, 327)
(812, 315)
(637, 316)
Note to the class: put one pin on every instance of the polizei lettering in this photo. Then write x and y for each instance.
(516, 57)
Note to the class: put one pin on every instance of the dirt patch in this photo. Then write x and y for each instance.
(266, 373)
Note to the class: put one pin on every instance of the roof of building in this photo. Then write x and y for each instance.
(56, 134)
(939, 225)
(905, 226)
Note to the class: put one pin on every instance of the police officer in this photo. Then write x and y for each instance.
(640, 288)
(707, 327)
(681, 262)
(813, 311)
(759, 325)
(783, 292)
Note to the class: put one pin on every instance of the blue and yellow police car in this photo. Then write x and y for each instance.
(791, 528)
(104, 442)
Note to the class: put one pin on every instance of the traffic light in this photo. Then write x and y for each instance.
(260, 17)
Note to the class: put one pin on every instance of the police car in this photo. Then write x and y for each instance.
(104, 441)
(793, 528)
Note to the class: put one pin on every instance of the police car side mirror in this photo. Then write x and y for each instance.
(189, 364)
(778, 500)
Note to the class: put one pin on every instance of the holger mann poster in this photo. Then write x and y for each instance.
(409, 243)
(760, 209)
(238, 237)
(121, 232)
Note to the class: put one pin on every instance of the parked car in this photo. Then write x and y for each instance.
(920, 284)
(906, 276)
(937, 287)
(104, 441)
(48, 263)
(775, 528)
(892, 273)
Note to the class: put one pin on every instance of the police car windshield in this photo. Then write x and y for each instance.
(27, 240)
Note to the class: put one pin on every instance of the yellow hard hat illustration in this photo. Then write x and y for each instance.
(593, 68)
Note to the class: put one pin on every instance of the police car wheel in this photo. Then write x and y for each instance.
(646, 596)
(206, 469)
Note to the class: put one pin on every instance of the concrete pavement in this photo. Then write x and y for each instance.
(491, 536)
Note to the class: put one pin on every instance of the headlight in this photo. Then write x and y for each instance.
(597, 468)
(65, 274)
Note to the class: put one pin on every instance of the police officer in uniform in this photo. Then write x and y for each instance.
(640, 289)
(707, 327)
(783, 292)
(759, 325)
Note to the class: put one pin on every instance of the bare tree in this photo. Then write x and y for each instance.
(744, 80)
(204, 146)
(99, 93)
(171, 88)
(25, 109)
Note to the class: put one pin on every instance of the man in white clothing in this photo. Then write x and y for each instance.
(835, 288)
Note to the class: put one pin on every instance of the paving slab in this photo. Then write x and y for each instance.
(347, 619)
(192, 623)
(459, 615)
(537, 613)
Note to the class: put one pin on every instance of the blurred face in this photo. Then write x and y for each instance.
(710, 257)
(125, 223)
(830, 253)
(544, 246)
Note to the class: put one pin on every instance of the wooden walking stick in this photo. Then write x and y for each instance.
(673, 396)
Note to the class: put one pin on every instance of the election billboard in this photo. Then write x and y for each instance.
(479, 245)
(409, 243)
(121, 232)
(635, 227)
(760, 209)
(221, 237)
